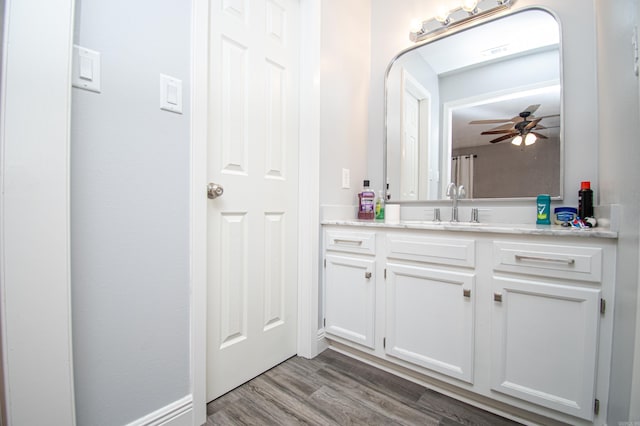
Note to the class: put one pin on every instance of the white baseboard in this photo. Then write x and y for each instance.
(178, 413)
(321, 342)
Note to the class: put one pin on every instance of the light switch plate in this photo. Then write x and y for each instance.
(170, 94)
(346, 179)
(85, 72)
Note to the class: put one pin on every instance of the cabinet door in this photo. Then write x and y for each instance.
(350, 298)
(430, 318)
(544, 338)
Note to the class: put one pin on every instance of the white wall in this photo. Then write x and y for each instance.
(129, 214)
(619, 156)
(390, 34)
(344, 85)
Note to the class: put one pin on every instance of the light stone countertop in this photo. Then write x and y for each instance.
(497, 228)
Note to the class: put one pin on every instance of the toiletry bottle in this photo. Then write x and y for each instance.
(366, 202)
(585, 200)
(544, 208)
(380, 206)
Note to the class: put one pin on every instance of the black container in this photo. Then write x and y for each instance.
(585, 200)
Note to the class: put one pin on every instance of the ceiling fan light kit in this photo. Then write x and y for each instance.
(530, 139)
(522, 129)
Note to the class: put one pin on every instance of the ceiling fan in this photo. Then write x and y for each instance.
(519, 128)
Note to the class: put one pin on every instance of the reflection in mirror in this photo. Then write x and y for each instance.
(481, 108)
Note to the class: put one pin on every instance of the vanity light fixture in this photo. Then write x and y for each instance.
(469, 10)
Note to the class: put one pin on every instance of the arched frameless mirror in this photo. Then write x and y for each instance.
(482, 108)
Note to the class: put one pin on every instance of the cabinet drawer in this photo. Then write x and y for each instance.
(550, 260)
(442, 251)
(351, 242)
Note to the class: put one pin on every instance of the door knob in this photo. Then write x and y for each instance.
(214, 190)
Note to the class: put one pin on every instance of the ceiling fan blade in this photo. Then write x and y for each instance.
(541, 127)
(497, 132)
(532, 108)
(503, 138)
(496, 121)
(532, 124)
(507, 126)
(539, 135)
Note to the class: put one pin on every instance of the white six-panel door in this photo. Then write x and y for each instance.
(253, 154)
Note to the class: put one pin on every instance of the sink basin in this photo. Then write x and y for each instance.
(442, 223)
(464, 223)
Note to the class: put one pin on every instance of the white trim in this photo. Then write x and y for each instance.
(198, 207)
(178, 413)
(309, 172)
(34, 210)
(321, 341)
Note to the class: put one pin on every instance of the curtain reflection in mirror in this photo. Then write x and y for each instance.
(462, 172)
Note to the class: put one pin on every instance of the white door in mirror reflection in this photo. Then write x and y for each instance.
(410, 151)
(416, 106)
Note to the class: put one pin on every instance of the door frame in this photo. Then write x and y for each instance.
(34, 178)
(309, 342)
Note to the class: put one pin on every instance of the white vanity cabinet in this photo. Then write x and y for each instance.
(429, 303)
(349, 284)
(545, 324)
(514, 321)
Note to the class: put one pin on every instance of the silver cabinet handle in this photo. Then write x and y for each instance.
(569, 261)
(367, 275)
(466, 292)
(497, 297)
(214, 190)
(354, 242)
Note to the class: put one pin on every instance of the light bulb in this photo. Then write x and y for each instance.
(469, 6)
(442, 15)
(517, 140)
(530, 139)
(416, 26)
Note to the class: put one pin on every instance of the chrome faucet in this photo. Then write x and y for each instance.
(455, 193)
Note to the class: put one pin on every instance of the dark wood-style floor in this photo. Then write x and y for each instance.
(333, 389)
